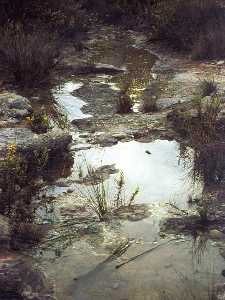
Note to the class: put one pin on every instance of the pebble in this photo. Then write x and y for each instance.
(17, 188)
(116, 285)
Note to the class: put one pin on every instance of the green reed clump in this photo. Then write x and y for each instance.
(207, 87)
(101, 199)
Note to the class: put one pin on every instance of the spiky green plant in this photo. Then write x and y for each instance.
(99, 197)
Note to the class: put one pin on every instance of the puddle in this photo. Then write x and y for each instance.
(82, 272)
(71, 105)
(154, 167)
(137, 63)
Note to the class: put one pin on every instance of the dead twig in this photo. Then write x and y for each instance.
(143, 253)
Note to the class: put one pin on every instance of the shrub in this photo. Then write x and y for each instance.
(208, 109)
(200, 122)
(124, 102)
(195, 26)
(39, 122)
(149, 98)
(119, 11)
(29, 57)
(13, 169)
(28, 232)
(48, 11)
(209, 163)
(207, 87)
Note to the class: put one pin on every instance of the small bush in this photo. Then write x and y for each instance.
(28, 233)
(207, 87)
(149, 104)
(208, 109)
(130, 12)
(209, 163)
(29, 57)
(149, 98)
(39, 122)
(124, 102)
(13, 169)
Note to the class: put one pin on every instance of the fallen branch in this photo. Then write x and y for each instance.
(143, 253)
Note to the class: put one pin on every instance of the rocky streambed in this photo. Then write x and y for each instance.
(72, 254)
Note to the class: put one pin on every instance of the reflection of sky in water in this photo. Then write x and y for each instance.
(159, 175)
(71, 105)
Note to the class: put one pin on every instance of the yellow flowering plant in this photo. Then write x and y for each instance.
(39, 122)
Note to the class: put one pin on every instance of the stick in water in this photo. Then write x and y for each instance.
(143, 253)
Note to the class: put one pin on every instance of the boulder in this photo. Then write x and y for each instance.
(14, 106)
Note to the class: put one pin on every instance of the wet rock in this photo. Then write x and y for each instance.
(134, 213)
(98, 69)
(216, 234)
(107, 169)
(82, 123)
(84, 135)
(80, 147)
(98, 174)
(105, 140)
(136, 217)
